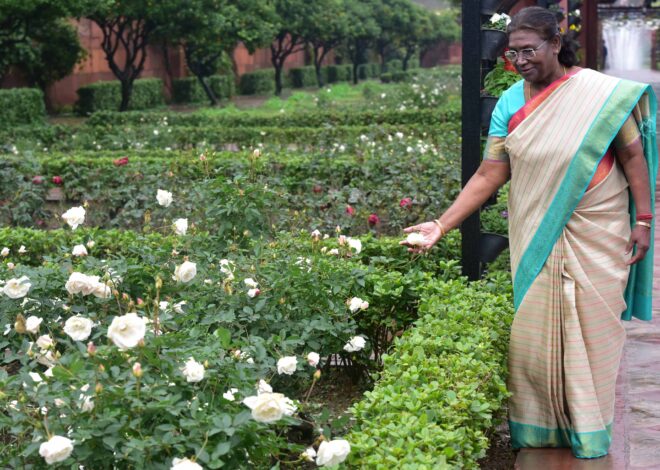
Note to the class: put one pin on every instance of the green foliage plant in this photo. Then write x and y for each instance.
(21, 106)
(147, 93)
(500, 79)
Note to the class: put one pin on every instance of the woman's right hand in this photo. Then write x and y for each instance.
(429, 230)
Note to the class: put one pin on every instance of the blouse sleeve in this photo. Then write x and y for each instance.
(628, 134)
(499, 121)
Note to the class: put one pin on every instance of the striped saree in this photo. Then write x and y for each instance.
(568, 238)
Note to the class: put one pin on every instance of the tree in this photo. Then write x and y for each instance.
(362, 31)
(25, 23)
(127, 25)
(291, 16)
(443, 26)
(325, 28)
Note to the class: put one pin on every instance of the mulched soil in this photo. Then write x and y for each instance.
(500, 456)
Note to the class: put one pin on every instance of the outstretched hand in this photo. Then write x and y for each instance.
(640, 237)
(429, 230)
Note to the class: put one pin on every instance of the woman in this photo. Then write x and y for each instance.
(578, 147)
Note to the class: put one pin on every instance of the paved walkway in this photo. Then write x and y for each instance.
(636, 434)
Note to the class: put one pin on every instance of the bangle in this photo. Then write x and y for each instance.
(644, 217)
(643, 224)
(443, 232)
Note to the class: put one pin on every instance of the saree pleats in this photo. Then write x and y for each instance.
(568, 259)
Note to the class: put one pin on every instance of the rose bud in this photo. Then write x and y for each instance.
(137, 370)
(350, 210)
(317, 189)
(373, 219)
(57, 180)
(91, 348)
(37, 179)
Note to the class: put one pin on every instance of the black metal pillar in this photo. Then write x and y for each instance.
(471, 130)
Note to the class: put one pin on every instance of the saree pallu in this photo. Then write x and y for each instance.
(571, 281)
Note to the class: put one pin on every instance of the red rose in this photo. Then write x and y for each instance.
(57, 180)
(373, 219)
(350, 210)
(405, 202)
(120, 161)
(317, 189)
(37, 179)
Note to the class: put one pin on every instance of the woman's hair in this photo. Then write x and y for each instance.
(544, 23)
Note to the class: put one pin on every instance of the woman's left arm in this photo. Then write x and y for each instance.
(634, 166)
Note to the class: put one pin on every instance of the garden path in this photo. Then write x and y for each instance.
(636, 434)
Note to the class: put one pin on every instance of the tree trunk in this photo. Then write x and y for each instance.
(278, 78)
(318, 60)
(355, 72)
(207, 89)
(126, 92)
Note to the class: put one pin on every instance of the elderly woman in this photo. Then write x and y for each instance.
(578, 147)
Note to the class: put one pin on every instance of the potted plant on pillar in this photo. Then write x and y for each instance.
(493, 36)
(496, 82)
(489, 7)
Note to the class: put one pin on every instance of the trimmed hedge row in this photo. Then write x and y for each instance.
(442, 385)
(303, 77)
(147, 93)
(59, 137)
(367, 71)
(189, 90)
(21, 106)
(259, 82)
(320, 118)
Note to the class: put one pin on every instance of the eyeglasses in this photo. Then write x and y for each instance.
(526, 54)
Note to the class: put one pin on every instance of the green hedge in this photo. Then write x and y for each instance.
(259, 82)
(59, 137)
(442, 385)
(320, 118)
(21, 106)
(398, 76)
(338, 73)
(367, 71)
(147, 93)
(189, 90)
(303, 77)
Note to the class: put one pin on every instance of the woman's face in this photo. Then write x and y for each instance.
(543, 65)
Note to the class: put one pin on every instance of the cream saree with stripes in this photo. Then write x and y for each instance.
(571, 281)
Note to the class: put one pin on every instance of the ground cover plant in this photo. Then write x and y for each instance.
(181, 303)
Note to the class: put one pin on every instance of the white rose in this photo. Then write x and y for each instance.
(356, 343)
(193, 370)
(32, 324)
(78, 328)
(86, 404)
(127, 330)
(17, 288)
(4, 252)
(309, 455)
(185, 464)
(356, 304)
(22, 250)
(269, 407)
(90, 244)
(56, 449)
(252, 293)
(180, 226)
(249, 282)
(47, 359)
(79, 283)
(415, 239)
(74, 217)
(495, 18)
(185, 272)
(334, 251)
(355, 244)
(333, 452)
(263, 387)
(164, 198)
(287, 365)
(36, 378)
(163, 305)
(79, 250)
(45, 342)
(229, 394)
(178, 307)
(102, 291)
(10, 266)
(313, 359)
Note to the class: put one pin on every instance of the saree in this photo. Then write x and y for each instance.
(568, 238)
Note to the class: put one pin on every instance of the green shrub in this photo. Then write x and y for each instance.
(147, 93)
(439, 390)
(21, 106)
(375, 70)
(338, 73)
(303, 77)
(189, 90)
(367, 71)
(394, 65)
(259, 82)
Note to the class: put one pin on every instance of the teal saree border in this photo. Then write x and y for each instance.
(585, 445)
(597, 140)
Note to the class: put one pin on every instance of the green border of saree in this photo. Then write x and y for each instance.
(580, 172)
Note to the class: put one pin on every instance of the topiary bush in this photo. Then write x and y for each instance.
(338, 73)
(189, 90)
(21, 106)
(147, 93)
(303, 77)
(259, 82)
